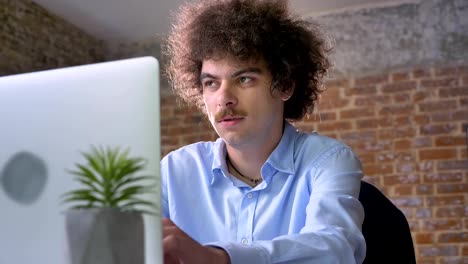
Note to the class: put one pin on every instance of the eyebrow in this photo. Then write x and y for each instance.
(204, 75)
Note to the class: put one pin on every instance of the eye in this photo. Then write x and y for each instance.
(245, 79)
(209, 84)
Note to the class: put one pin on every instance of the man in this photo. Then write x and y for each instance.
(263, 192)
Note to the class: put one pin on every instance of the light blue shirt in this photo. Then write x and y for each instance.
(305, 211)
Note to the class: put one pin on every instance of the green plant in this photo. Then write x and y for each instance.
(109, 180)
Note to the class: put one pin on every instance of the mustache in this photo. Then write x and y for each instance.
(228, 112)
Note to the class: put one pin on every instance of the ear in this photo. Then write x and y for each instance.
(286, 94)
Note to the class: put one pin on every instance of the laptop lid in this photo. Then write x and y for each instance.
(46, 120)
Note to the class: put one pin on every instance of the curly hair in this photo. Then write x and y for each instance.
(294, 50)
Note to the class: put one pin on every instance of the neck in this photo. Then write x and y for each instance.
(247, 160)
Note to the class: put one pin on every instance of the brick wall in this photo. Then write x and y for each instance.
(33, 39)
(408, 127)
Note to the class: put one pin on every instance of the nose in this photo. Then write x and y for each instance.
(227, 96)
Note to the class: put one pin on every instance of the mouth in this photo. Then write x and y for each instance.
(230, 119)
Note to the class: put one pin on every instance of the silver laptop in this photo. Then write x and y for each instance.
(46, 120)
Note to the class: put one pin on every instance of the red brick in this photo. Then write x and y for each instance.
(403, 190)
(451, 211)
(374, 180)
(408, 212)
(371, 145)
(465, 250)
(419, 73)
(448, 71)
(177, 131)
(452, 188)
(397, 87)
(437, 106)
(425, 189)
(401, 179)
(330, 94)
(407, 167)
(423, 213)
(401, 156)
(400, 76)
(442, 224)
(421, 119)
(424, 238)
(166, 149)
(356, 113)
(450, 116)
(378, 169)
(406, 156)
(463, 101)
(437, 154)
(334, 126)
(453, 165)
(407, 201)
(443, 177)
(367, 157)
(166, 111)
(371, 80)
(168, 100)
(361, 90)
(336, 83)
(360, 136)
(169, 141)
(453, 92)
(170, 122)
(397, 133)
(420, 96)
(450, 141)
(372, 100)
(402, 121)
(327, 116)
(426, 260)
(453, 260)
(437, 129)
(397, 110)
(414, 225)
(422, 142)
(402, 98)
(465, 80)
(445, 200)
(445, 82)
(458, 237)
(374, 123)
(403, 144)
(426, 166)
(332, 104)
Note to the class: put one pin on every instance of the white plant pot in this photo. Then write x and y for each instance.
(105, 236)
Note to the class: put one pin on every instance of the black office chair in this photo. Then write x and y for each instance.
(385, 229)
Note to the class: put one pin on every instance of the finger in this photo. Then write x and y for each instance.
(169, 259)
(172, 230)
(167, 222)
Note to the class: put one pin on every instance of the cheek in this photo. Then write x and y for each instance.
(208, 109)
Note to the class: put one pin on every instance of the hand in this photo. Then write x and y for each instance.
(179, 248)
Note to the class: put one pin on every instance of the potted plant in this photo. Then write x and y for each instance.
(105, 224)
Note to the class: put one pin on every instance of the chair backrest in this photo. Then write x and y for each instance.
(385, 229)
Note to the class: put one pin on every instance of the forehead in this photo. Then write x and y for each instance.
(229, 64)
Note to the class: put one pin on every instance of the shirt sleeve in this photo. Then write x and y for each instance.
(332, 230)
(164, 191)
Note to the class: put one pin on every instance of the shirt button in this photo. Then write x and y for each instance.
(244, 241)
(249, 195)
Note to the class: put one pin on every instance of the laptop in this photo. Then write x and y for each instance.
(47, 119)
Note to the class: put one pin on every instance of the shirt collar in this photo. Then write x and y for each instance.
(282, 157)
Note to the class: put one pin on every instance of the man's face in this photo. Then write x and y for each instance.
(239, 102)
